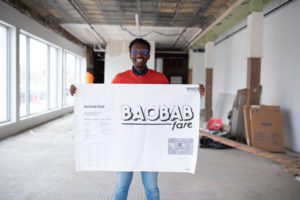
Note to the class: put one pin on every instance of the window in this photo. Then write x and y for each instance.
(38, 76)
(53, 78)
(45, 73)
(69, 77)
(4, 74)
(74, 74)
(24, 77)
(80, 71)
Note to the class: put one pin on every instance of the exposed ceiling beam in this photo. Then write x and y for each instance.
(121, 11)
(195, 40)
(237, 12)
(200, 9)
(176, 12)
(186, 14)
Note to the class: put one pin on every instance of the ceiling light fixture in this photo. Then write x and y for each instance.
(98, 48)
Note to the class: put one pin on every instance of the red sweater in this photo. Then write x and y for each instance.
(151, 77)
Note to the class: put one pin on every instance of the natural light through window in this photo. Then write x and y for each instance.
(70, 69)
(44, 79)
(38, 76)
(53, 78)
(24, 109)
(4, 86)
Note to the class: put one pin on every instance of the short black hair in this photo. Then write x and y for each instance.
(139, 40)
(90, 70)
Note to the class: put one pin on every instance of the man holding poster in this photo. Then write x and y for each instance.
(139, 74)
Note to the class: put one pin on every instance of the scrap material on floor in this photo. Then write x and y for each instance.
(290, 162)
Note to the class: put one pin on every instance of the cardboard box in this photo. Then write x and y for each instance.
(266, 128)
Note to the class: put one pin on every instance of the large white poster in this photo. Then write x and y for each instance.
(137, 127)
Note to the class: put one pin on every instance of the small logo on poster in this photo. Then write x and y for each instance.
(192, 89)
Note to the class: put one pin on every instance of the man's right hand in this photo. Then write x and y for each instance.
(201, 90)
(73, 89)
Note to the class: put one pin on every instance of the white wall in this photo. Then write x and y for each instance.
(19, 22)
(229, 75)
(280, 68)
(117, 58)
(196, 62)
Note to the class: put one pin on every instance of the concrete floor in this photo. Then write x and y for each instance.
(39, 164)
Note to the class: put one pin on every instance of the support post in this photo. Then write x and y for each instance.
(209, 62)
(254, 54)
(208, 93)
(253, 81)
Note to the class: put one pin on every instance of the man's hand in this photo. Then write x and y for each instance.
(73, 89)
(201, 90)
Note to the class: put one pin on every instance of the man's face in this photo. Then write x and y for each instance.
(139, 55)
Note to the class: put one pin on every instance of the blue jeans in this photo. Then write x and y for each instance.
(149, 181)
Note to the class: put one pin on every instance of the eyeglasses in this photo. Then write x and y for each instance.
(143, 52)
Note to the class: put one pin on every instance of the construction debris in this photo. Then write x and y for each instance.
(290, 162)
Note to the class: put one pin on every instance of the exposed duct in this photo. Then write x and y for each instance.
(87, 20)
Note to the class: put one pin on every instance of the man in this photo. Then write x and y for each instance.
(139, 50)
(89, 76)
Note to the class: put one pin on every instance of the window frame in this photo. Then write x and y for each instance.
(8, 110)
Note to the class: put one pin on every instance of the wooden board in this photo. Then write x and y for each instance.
(246, 113)
(290, 162)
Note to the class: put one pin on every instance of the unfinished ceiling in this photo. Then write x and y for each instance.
(172, 24)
